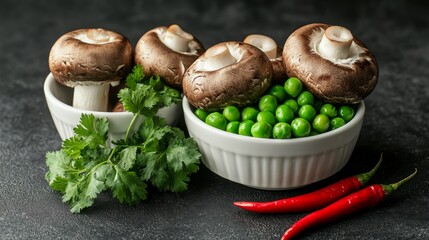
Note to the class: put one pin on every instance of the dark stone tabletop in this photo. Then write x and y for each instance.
(396, 121)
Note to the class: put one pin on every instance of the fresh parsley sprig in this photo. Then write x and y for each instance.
(156, 154)
(146, 95)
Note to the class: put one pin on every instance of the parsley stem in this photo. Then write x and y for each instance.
(109, 159)
(130, 126)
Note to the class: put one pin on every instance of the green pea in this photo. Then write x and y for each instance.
(337, 122)
(232, 127)
(278, 92)
(249, 113)
(266, 116)
(300, 127)
(347, 113)
(307, 112)
(282, 131)
(201, 114)
(284, 113)
(293, 104)
(321, 123)
(245, 128)
(318, 104)
(329, 110)
(293, 86)
(313, 133)
(217, 120)
(261, 130)
(268, 103)
(305, 98)
(231, 113)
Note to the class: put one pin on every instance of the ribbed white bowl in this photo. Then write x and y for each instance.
(270, 163)
(66, 117)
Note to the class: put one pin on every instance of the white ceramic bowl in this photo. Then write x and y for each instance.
(274, 164)
(66, 117)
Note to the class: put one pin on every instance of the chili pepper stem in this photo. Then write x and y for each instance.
(365, 177)
(389, 188)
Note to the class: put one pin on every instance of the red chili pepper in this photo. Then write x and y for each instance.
(313, 200)
(365, 198)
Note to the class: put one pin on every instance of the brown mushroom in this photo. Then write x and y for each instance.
(332, 63)
(167, 52)
(229, 73)
(118, 107)
(90, 60)
(274, 53)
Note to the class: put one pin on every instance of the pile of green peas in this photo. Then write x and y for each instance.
(288, 111)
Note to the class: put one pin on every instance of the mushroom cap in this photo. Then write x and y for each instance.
(118, 107)
(266, 43)
(238, 84)
(76, 59)
(158, 59)
(279, 72)
(345, 81)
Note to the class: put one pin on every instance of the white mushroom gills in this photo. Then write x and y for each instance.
(335, 43)
(93, 97)
(177, 39)
(94, 36)
(264, 43)
(218, 57)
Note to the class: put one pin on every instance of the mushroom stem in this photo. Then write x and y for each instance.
(218, 57)
(177, 39)
(264, 43)
(91, 97)
(335, 43)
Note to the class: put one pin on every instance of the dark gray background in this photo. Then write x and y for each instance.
(396, 121)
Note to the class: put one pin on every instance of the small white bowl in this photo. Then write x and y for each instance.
(273, 164)
(66, 117)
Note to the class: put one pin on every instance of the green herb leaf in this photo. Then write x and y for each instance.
(92, 131)
(182, 154)
(153, 128)
(93, 185)
(128, 157)
(143, 100)
(73, 147)
(59, 184)
(127, 187)
(58, 163)
(168, 163)
(71, 192)
(156, 153)
(145, 96)
(135, 77)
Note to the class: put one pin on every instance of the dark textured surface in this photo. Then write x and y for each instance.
(396, 121)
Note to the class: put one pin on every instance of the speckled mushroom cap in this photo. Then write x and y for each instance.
(168, 62)
(93, 56)
(239, 78)
(279, 72)
(344, 72)
(274, 53)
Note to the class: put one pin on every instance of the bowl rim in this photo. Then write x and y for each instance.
(359, 115)
(49, 83)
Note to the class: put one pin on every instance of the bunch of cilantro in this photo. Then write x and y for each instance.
(156, 153)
